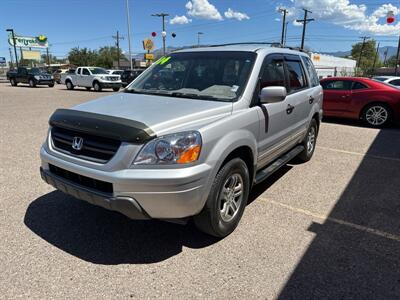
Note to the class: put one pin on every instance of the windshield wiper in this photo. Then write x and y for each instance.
(193, 96)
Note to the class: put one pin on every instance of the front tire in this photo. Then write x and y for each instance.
(69, 85)
(32, 83)
(51, 85)
(97, 87)
(309, 142)
(376, 115)
(116, 89)
(13, 82)
(88, 88)
(227, 200)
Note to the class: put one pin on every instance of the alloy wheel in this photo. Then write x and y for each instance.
(376, 115)
(311, 139)
(231, 197)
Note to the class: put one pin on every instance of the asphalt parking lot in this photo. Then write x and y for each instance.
(329, 228)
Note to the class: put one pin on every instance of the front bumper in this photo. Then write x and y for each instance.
(44, 81)
(125, 205)
(110, 84)
(159, 193)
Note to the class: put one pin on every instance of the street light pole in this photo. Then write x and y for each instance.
(198, 38)
(163, 33)
(129, 32)
(15, 47)
(284, 11)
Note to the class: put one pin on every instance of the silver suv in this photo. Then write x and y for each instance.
(190, 136)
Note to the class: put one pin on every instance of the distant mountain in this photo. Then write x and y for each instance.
(391, 51)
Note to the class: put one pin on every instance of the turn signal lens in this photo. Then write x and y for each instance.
(190, 155)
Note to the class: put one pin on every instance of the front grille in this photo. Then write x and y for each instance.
(94, 184)
(94, 148)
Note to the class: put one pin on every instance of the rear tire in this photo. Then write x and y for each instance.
(13, 82)
(116, 89)
(69, 85)
(227, 200)
(51, 85)
(32, 83)
(376, 115)
(97, 87)
(309, 142)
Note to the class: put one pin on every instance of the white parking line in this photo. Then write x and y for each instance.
(337, 221)
(360, 154)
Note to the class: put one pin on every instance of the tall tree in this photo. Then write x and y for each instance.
(391, 62)
(107, 55)
(367, 55)
(83, 57)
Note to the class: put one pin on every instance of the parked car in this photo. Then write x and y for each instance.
(31, 76)
(92, 77)
(393, 80)
(190, 137)
(115, 72)
(129, 75)
(374, 102)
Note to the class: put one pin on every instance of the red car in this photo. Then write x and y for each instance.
(374, 102)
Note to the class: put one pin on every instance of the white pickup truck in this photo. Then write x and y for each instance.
(92, 77)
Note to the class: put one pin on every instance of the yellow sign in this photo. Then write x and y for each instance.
(316, 57)
(34, 55)
(149, 56)
(148, 44)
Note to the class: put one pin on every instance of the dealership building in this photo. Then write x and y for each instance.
(330, 66)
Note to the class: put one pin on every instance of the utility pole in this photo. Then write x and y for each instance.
(304, 21)
(284, 41)
(163, 33)
(397, 58)
(198, 38)
(365, 38)
(11, 59)
(284, 11)
(129, 33)
(117, 38)
(375, 58)
(48, 56)
(15, 47)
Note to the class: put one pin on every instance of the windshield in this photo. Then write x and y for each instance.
(36, 71)
(98, 71)
(213, 75)
(379, 78)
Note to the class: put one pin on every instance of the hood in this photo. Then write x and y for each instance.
(162, 114)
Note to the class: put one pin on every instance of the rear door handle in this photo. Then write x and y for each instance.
(311, 99)
(289, 109)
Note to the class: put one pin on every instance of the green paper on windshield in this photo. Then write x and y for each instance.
(163, 60)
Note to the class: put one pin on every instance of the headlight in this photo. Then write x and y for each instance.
(178, 148)
(37, 77)
(103, 77)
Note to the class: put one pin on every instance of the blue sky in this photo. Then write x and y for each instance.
(91, 23)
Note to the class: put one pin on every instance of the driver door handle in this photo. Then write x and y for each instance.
(289, 109)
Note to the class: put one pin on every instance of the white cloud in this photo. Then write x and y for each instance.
(202, 9)
(231, 14)
(180, 20)
(350, 16)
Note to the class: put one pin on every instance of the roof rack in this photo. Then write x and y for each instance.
(272, 44)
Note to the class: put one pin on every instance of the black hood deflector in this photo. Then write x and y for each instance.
(121, 129)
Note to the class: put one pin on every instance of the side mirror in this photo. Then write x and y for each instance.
(272, 94)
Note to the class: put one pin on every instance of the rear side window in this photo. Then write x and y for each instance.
(312, 74)
(79, 71)
(358, 86)
(395, 82)
(297, 80)
(273, 74)
(339, 85)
